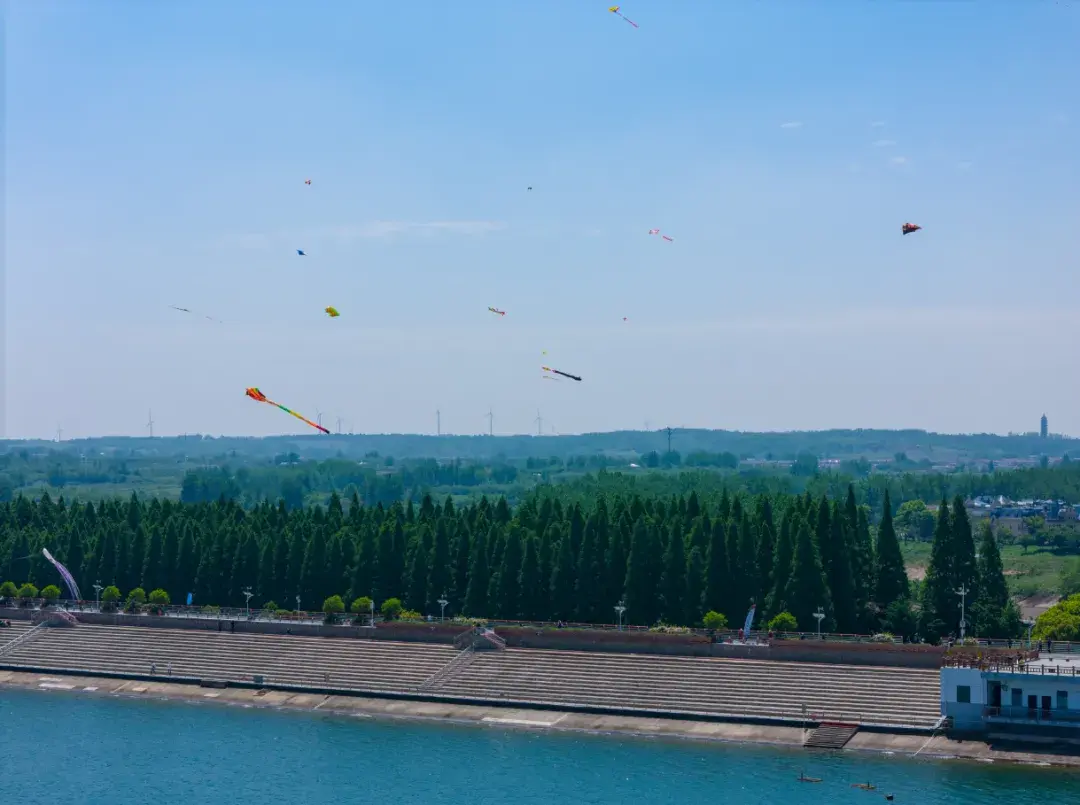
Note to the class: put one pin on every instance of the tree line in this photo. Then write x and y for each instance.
(670, 559)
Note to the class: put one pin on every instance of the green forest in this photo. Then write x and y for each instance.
(560, 553)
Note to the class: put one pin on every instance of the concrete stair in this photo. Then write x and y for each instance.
(831, 736)
(689, 685)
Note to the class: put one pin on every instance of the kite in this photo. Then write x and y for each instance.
(332, 312)
(301, 252)
(549, 377)
(193, 313)
(657, 232)
(258, 396)
(73, 588)
(307, 181)
(496, 311)
(907, 229)
(528, 188)
(615, 10)
(557, 372)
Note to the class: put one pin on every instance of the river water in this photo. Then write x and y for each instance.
(67, 748)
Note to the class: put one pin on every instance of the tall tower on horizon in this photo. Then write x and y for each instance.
(1043, 430)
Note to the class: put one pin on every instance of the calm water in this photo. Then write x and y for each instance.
(87, 750)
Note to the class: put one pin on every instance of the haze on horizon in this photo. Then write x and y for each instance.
(155, 155)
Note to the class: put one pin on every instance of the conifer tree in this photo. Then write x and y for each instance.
(766, 551)
(476, 593)
(588, 588)
(312, 570)
(717, 574)
(673, 580)
(807, 590)
(640, 587)
(508, 603)
(462, 549)
(187, 565)
(416, 596)
(747, 580)
(695, 587)
(938, 590)
(530, 583)
(993, 595)
(264, 590)
(366, 567)
(562, 581)
(890, 576)
(783, 556)
(965, 568)
(167, 567)
(615, 567)
(440, 571)
(150, 567)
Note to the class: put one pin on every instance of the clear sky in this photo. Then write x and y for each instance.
(156, 154)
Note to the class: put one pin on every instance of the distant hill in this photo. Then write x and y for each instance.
(937, 448)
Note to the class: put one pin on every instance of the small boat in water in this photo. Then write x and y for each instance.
(804, 779)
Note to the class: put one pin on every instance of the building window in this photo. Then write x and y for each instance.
(1017, 697)
(963, 694)
(1063, 700)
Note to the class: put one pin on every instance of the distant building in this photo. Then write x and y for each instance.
(1042, 427)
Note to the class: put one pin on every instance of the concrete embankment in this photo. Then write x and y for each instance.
(938, 747)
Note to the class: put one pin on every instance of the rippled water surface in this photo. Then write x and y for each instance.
(78, 749)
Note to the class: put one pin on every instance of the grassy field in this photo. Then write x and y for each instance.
(1036, 572)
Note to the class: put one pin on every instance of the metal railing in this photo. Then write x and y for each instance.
(1015, 667)
(1043, 715)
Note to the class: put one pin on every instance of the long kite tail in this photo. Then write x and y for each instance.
(298, 416)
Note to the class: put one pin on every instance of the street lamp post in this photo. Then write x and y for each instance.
(297, 609)
(620, 608)
(820, 615)
(442, 602)
(962, 592)
(247, 600)
(97, 594)
(372, 613)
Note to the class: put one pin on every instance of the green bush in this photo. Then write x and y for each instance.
(1060, 622)
(8, 590)
(714, 620)
(28, 591)
(410, 615)
(135, 600)
(391, 609)
(361, 606)
(51, 594)
(159, 598)
(784, 622)
(110, 597)
(270, 606)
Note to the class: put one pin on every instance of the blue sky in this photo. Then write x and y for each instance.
(156, 154)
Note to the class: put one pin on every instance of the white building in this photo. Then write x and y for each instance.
(1039, 701)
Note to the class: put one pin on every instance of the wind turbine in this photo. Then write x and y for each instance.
(59, 433)
(539, 423)
(491, 422)
(318, 417)
(150, 423)
(339, 421)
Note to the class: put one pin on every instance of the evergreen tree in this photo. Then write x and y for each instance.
(264, 590)
(333, 583)
(151, 575)
(717, 575)
(783, 557)
(938, 590)
(747, 580)
(389, 578)
(508, 602)
(276, 587)
(993, 595)
(168, 566)
(965, 568)
(476, 594)
(588, 589)
(187, 566)
(416, 595)
(695, 587)
(366, 565)
(766, 551)
(615, 567)
(806, 589)
(890, 576)
(461, 549)
(73, 554)
(531, 584)
(311, 572)
(562, 581)
(440, 573)
(673, 580)
(208, 578)
(640, 586)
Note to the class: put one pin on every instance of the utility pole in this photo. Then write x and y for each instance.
(339, 420)
(491, 422)
(962, 592)
(668, 431)
(438, 422)
(820, 615)
(539, 423)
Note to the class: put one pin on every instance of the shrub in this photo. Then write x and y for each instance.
(50, 594)
(270, 606)
(714, 620)
(28, 592)
(882, 637)
(664, 628)
(362, 605)
(159, 598)
(784, 622)
(8, 590)
(110, 597)
(391, 608)
(410, 615)
(135, 599)
(332, 608)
